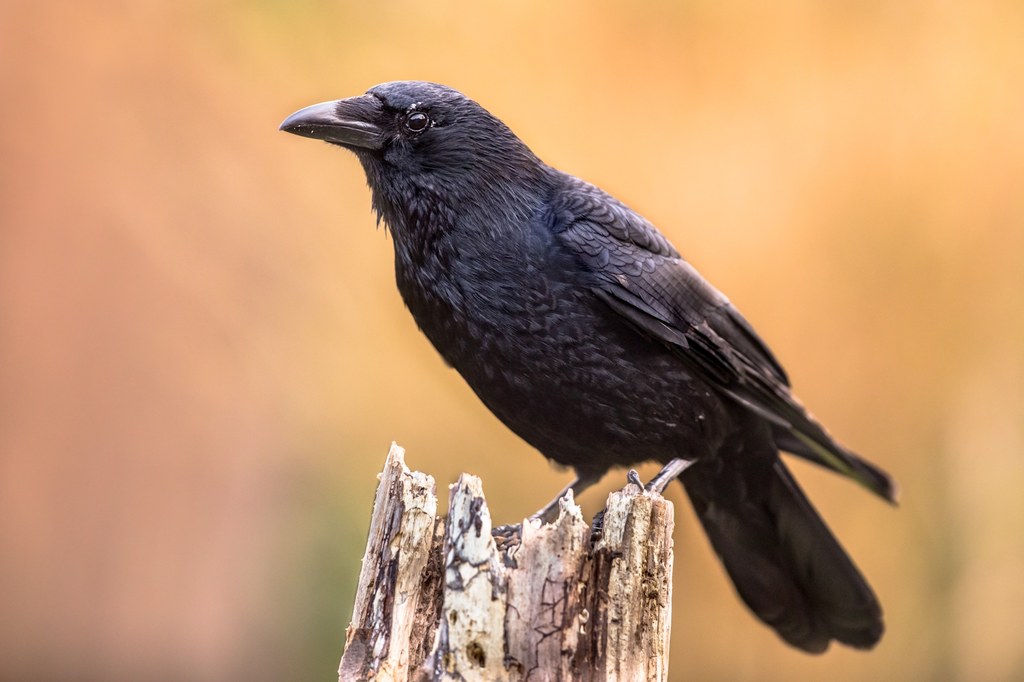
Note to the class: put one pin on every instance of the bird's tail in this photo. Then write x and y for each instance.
(785, 563)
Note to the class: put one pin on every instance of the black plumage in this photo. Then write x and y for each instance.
(579, 325)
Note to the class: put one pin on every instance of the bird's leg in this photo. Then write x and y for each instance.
(668, 472)
(549, 512)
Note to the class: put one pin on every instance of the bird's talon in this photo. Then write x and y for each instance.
(633, 477)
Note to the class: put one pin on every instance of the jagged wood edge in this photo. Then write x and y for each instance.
(603, 609)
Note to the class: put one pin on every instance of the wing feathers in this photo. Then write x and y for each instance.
(642, 278)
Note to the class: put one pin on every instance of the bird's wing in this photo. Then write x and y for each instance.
(638, 273)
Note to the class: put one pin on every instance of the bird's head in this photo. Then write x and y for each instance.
(417, 140)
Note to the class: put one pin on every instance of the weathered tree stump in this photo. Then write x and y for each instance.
(440, 599)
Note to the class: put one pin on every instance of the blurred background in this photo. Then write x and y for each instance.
(203, 358)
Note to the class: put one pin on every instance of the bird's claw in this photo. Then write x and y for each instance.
(633, 477)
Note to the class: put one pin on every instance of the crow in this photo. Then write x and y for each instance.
(581, 327)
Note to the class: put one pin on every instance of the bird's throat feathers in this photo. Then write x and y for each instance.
(451, 230)
(420, 207)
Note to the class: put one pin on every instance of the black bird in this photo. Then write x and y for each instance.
(581, 328)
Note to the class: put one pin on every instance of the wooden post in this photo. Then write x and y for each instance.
(440, 599)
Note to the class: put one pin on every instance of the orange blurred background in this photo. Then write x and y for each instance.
(203, 358)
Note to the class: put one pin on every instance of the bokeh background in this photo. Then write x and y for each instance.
(203, 358)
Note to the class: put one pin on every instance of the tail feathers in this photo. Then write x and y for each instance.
(829, 454)
(845, 602)
(786, 565)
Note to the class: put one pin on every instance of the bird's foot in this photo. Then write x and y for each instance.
(549, 512)
(507, 537)
(670, 471)
(633, 477)
(507, 529)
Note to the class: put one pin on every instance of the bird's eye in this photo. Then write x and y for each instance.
(417, 121)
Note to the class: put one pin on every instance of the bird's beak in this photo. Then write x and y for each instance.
(348, 122)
